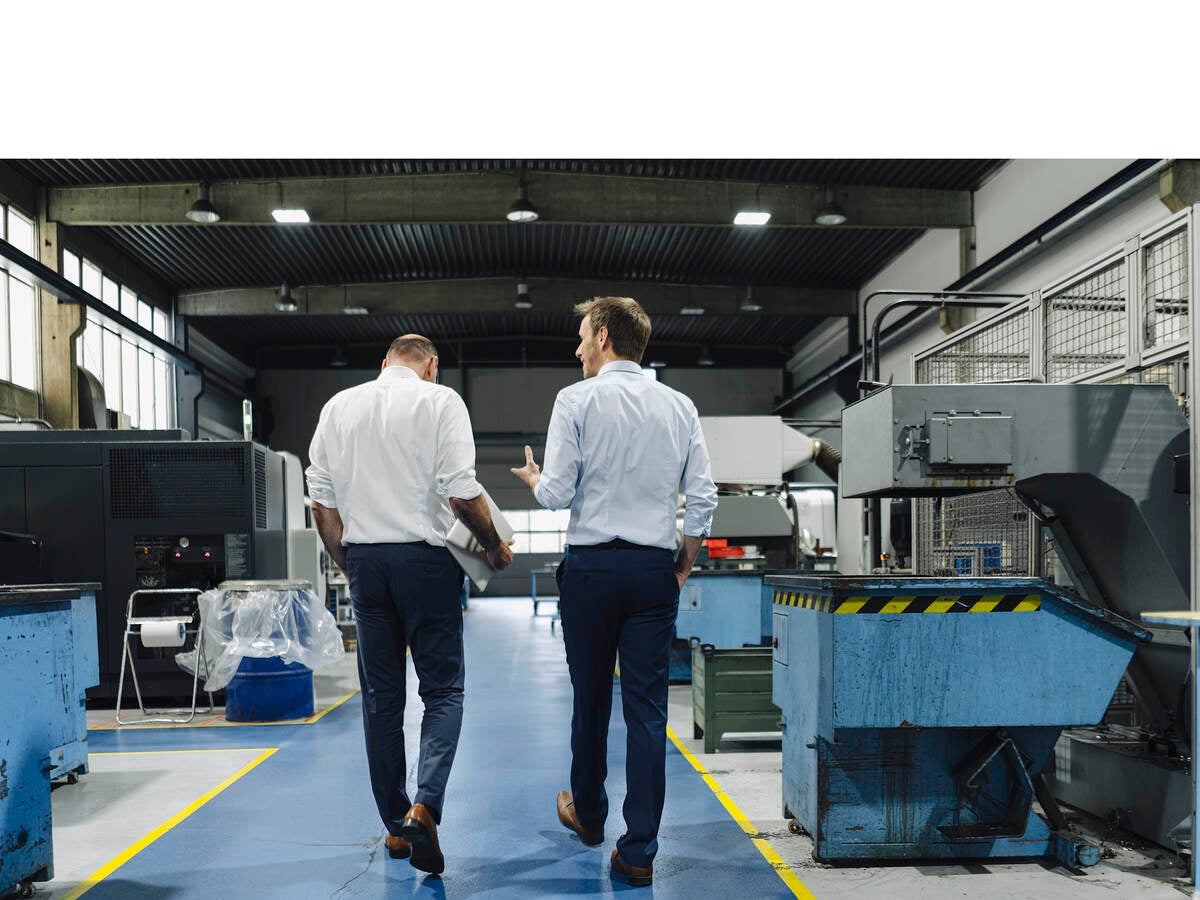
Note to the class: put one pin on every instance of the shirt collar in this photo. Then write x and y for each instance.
(621, 365)
(397, 371)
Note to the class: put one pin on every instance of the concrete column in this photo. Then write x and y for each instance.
(1179, 184)
(60, 325)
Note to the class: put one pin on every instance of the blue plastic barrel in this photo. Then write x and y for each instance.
(269, 690)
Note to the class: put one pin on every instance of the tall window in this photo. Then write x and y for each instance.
(18, 313)
(136, 382)
(538, 530)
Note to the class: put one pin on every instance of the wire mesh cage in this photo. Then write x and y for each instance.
(1165, 289)
(1086, 326)
(999, 352)
(972, 536)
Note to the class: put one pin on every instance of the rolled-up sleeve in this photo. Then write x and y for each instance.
(560, 467)
(456, 452)
(697, 485)
(320, 482)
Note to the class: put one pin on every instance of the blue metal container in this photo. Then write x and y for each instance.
(269, 690)
(915, 732)
(722, 608)
(47, 659)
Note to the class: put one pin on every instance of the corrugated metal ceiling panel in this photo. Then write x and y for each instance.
(957, 174)
(189, 257)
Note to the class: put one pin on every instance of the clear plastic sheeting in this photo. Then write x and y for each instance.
(288, 622)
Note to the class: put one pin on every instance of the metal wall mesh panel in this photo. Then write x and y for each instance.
(1086, 325)
(1165, 289)
(997, 353)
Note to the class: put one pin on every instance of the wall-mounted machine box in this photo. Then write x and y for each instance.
(144, 510)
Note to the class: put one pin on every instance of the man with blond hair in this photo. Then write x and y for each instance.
(619, 450)
(392, 464)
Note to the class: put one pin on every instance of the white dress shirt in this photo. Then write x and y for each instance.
(389, 454)
(619, 451)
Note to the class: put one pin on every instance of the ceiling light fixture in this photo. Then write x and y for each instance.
(752, 217)
(202, 211)
(706, 357)
(524, 301)
(290, 216)
(830, 213)
(339, 360)
(692, 311)
(755, 216)
(355, 310)
(748, 305)
(657, 364)
(286, 303)
(522, 211)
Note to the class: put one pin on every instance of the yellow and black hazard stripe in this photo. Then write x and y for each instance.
(889, 603)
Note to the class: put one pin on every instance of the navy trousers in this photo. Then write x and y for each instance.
(622, 600)
(408, 595)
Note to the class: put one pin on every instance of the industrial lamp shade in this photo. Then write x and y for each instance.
(830, 213)
(706, 357)
(202, 211)
(339, 360)
(286, 303)
(524, 301)
(522, 210)
(749, 304)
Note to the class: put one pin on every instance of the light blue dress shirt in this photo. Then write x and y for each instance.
(619, 451)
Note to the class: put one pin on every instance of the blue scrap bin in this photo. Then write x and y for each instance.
(269, 690)
(920, 712)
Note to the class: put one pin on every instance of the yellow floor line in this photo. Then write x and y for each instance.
(117, 861)
(152, 752)
(781, 868)
(221, 722)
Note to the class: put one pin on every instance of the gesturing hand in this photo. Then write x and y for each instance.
(530, 473)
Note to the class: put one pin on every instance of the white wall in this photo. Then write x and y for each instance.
(1017, 199)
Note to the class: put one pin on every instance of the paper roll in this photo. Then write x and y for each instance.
(162, 634)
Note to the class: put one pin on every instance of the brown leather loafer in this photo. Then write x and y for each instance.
(570, 818)
(397, 847)
(634, 876)
(420, 830)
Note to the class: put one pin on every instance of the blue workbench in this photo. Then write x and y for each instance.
(48, 658)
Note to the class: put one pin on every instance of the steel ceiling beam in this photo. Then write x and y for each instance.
(484, 197)
(482, 295)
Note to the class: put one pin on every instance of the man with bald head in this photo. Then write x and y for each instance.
(392, 465)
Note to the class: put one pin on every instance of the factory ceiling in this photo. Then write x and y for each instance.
(424, 245)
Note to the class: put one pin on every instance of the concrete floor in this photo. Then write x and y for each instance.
(284, 810)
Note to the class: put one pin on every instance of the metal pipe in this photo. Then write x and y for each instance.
(1105, 195)
(932, 301)
(943, 295)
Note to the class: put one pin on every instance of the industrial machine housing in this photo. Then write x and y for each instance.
(146, 509)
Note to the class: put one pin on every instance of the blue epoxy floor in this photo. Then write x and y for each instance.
(302, 823)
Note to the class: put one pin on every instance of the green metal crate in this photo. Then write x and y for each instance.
(731, 692)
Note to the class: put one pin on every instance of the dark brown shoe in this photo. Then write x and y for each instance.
(570, 818)
(634, 876)
(420, 830)
(397, 847)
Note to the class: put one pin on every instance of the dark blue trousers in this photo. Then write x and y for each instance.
(408, 595)
(610, 601)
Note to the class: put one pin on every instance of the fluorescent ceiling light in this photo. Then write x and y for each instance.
(752, 217)
(692, 311)
(657, 364)
(355, 310)
(290, 216)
